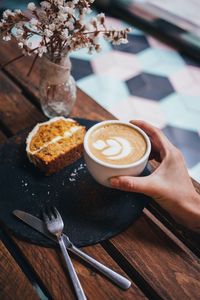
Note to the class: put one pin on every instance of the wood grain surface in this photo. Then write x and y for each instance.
(47, 265)
(2, 137)
(15, 110)
(13, 280)
(168, 269)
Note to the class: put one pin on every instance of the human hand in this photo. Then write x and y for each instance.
(170, 184)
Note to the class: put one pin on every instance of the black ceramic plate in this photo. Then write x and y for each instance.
(91, 212)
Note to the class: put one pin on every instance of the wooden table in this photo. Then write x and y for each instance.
(160, 257)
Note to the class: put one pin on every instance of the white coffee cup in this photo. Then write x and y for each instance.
(102, 171)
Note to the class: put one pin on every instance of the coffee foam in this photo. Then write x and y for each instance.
(116, 147)
(117, 144)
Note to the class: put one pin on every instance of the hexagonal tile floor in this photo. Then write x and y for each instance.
(187, 81)
(116, 64)
(81, 68)
(150, 86)
(182, 111)
(183, 139)
(160, 61)
(139, 108)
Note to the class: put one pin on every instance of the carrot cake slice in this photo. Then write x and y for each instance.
(54, 144)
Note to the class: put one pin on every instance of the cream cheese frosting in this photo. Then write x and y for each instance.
(67, 133)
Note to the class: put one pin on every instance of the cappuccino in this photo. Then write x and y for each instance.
(117, 144)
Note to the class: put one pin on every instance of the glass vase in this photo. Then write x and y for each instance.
(57, 87)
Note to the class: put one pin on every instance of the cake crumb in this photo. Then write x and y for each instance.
(75, 173)
(72, 179)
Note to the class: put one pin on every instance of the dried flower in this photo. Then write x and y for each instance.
(34, 21)
(45, 5)
(61, 26)
(19, 33)
(18, 11)
(6, 14)
(7, 37)
(31, 6)
(48, 33)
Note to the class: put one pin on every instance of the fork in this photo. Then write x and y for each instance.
(55, 226)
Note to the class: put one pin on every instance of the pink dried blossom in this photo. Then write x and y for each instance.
(61, 26)
(31, 6)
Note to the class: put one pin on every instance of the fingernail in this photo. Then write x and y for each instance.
(114, 181)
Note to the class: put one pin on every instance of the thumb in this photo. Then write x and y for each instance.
(132, 184)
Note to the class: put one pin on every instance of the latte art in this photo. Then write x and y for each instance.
(117, 144)
(114, 148)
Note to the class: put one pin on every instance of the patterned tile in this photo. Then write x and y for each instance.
(187, 141)
(105, 90)
(139, 108)
(149, 111)
(192, 104)
(187, 81)
(154, 43)
(124, 110)
(134, 30)
(190, 61)
(81, 68)
(116, 64)
(177, 113)
(150, 86)
(160, 61)
(136, 44)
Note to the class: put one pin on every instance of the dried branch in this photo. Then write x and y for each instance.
(11, 61)
(61, 28)
(15, 59)
(32, 65)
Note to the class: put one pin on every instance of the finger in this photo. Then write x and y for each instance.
(132, 184)
(159, 141)
(151, 130)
